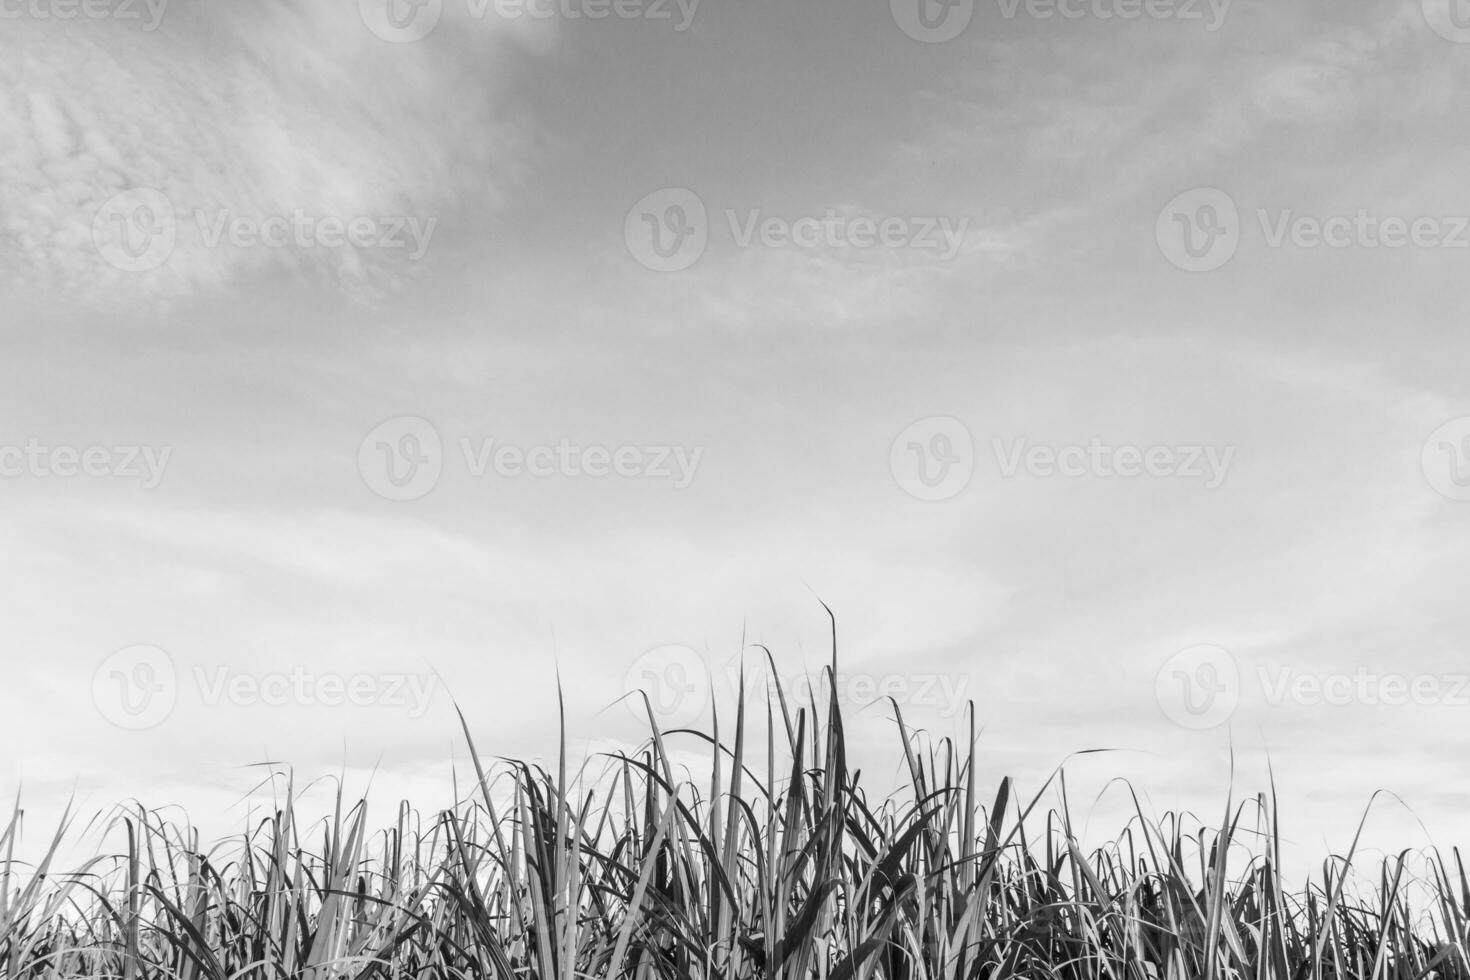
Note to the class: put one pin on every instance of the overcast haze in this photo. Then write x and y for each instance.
(1040, 353)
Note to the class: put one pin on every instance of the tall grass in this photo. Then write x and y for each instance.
(775, 865)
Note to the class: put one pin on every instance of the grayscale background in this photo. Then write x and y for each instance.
(1101, 362)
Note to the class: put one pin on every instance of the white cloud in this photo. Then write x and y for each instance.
(249, 115)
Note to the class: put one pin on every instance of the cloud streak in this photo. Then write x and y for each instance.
(252, 115)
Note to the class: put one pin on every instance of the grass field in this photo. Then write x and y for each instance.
(775, 865)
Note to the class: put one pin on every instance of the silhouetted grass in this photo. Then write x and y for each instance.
(777, 866)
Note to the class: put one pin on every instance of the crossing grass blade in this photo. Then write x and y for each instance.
(773, 863)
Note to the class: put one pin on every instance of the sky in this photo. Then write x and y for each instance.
(1100, 363)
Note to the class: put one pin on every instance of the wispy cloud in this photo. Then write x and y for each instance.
(234, 116)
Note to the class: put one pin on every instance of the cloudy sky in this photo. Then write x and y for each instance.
(1101, 362)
